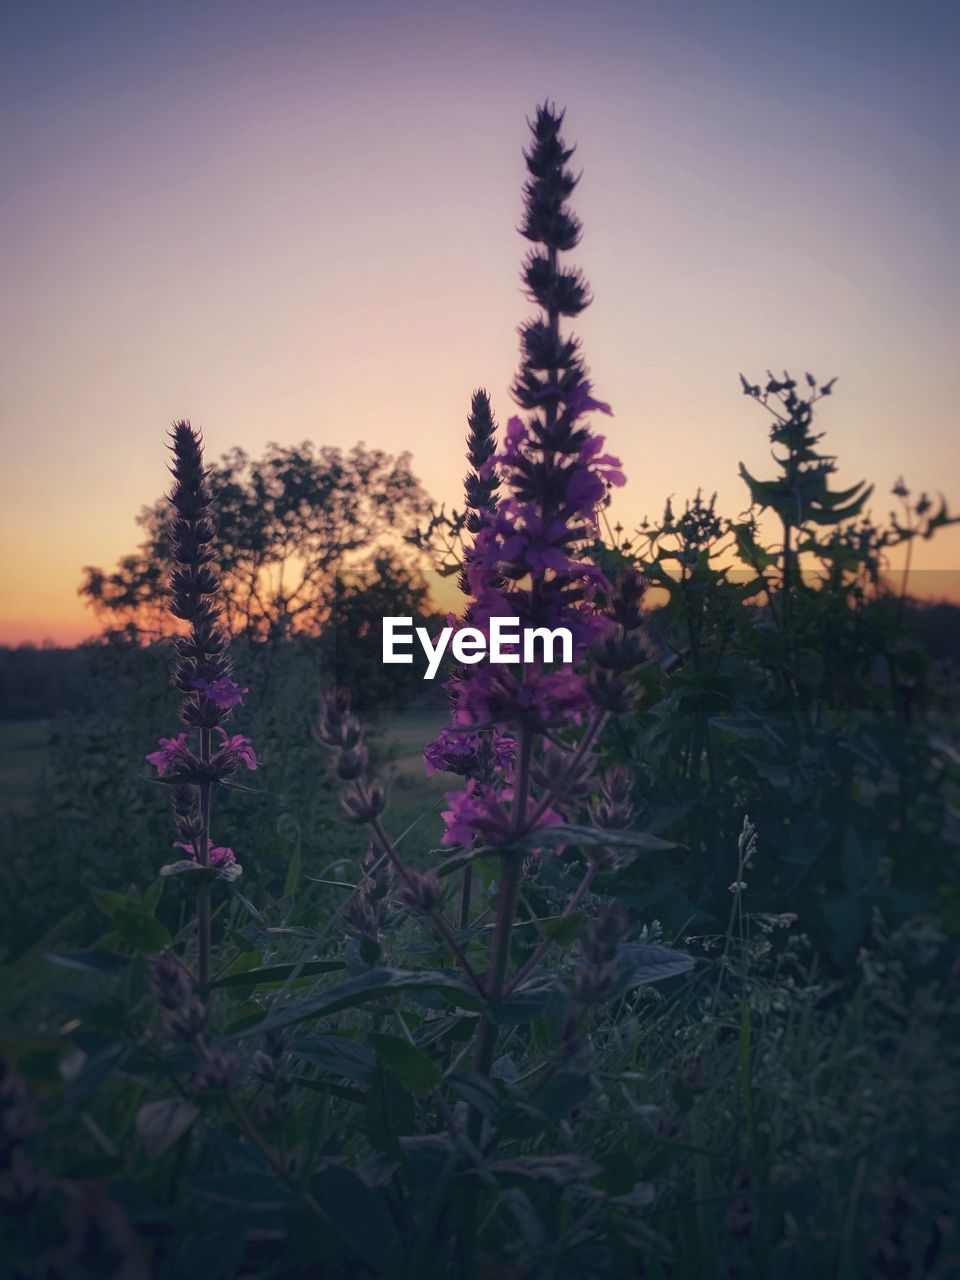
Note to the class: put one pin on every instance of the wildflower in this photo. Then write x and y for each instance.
(420, 892)
(481, 810)
(187, 1020)
(203, 674)
(538, 698)
(237, 748)
(365, 803)
(481, 484)
(223, 693)
(529, 555)
(351, 762)
(613, 807)
(337, 726)
(470, 754)
(217, 1072)
(170, 980)
(174, 754)
(219, 856)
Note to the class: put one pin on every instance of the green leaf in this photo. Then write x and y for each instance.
(162, 1124)
(428, 1157)
(141, 932)
(371, 986)
(254, 1192)
(360, 1217)
(570, 834)
(529, 1001)
(187, 867)
(476, 1089)
(105, 963)
(560, 1170)
(277, 973)
(564, 929)
(642, 963)
(336, 1055)
(110, 902)
(411, 1066)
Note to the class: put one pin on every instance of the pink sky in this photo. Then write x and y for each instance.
(296, 221)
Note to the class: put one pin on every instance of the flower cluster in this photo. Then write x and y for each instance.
(484, 812)
(206, 752)
(472, 755)
(529, 559)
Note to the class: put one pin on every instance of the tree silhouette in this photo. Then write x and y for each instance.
(287, 524)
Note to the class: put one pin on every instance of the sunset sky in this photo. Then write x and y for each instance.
(289, 220)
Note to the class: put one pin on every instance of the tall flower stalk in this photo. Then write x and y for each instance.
(206, 753)
(527, 561)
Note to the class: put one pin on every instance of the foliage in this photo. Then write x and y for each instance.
(790, 687)
(613, 1026)
(287, 524)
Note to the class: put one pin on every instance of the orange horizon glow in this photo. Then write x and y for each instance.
(291, 222)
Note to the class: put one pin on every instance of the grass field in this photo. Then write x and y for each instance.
(24, 754)
(414, 798)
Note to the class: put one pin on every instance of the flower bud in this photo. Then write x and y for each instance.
(170, 979)
(188, 1020)
(351, 762)
(365, 803)
(217, 1072)
(420, 892)
(603, 934)
(611, 692)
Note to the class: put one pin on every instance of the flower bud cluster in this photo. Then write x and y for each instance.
(270, 1068)
(530, 558)
(568, 775)
(613, 809)
(367, 914)
(341, 731)
(420, 892)
(203, 663)
(173, 986)
(593, 981)
(203, 671)
(217, 1072)
(624, 648)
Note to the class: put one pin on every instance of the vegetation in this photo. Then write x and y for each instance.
(647, 972)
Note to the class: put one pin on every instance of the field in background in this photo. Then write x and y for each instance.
(24, 755)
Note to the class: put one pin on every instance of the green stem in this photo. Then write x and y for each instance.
(507, 896)
(203, 857)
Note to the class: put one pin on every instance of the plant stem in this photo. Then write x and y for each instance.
(507, 895)
(386, 844)
(466, 891)
(203, 857)
(543, 947)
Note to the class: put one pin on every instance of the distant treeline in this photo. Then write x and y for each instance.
(42, 683)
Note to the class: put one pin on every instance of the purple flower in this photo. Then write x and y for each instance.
(174, 754)
(218, 856)
(539, 698)
(581, 401)
(469, 753)
(223, 693)
(481, 811)
(239, 747)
